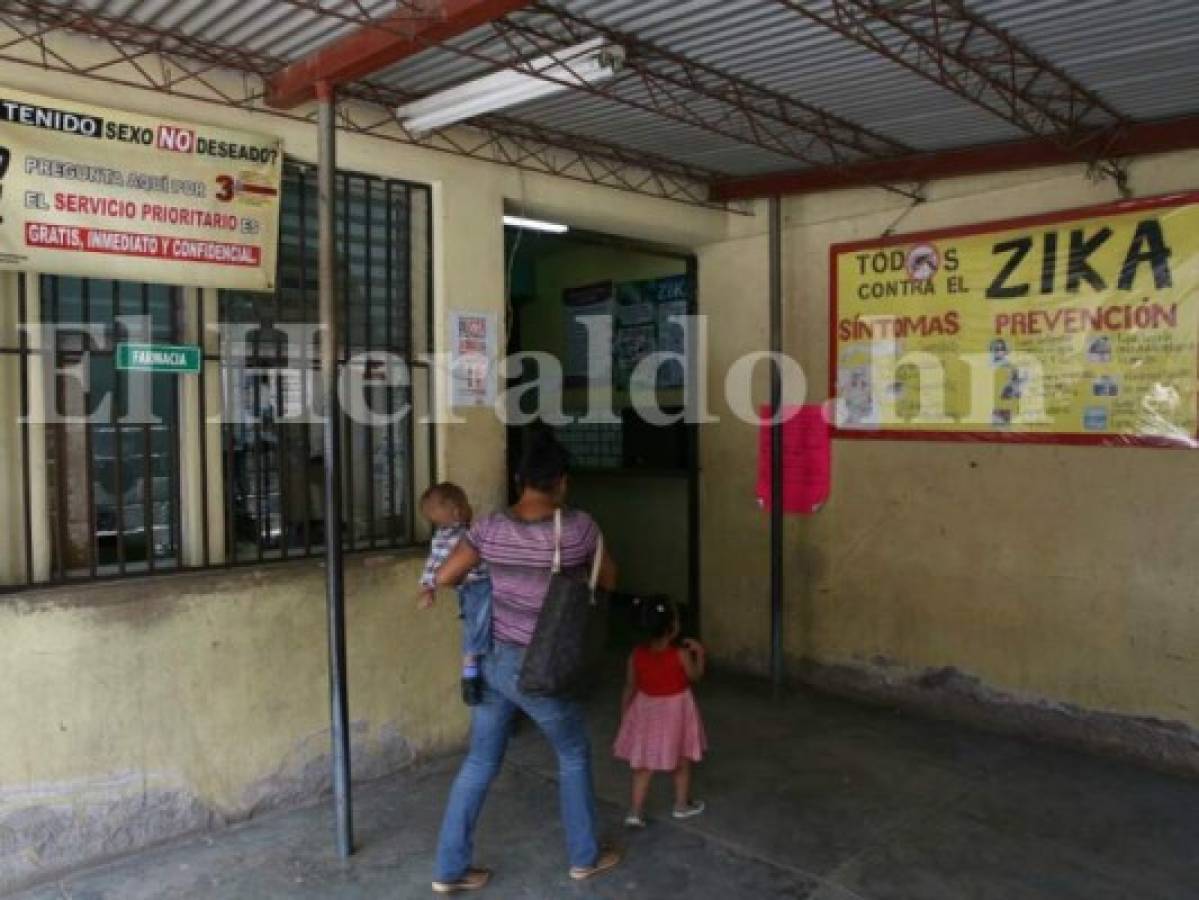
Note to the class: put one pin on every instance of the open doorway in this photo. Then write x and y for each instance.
(639, 480)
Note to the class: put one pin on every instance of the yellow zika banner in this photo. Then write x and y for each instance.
(101, 193)
(1076, 327)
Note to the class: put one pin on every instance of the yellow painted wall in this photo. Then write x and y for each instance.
(1063, 573)
(135, 711)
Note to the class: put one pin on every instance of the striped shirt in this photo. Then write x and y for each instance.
(444, 541)
(519, 555)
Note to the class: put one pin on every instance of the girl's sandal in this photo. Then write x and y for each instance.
(694, 808)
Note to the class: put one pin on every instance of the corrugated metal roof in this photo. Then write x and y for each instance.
(270, 28)
(1138, 55)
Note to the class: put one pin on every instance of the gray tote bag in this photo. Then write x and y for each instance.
(557, 659)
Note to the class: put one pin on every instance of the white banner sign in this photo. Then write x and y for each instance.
(99, 193)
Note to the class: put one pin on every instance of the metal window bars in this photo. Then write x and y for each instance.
(274, 507)
(111, 503)
(113, 487)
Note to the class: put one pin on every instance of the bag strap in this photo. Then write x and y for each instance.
(595, 563)
(556, 567)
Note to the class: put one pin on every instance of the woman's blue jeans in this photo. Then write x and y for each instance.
(491, 723)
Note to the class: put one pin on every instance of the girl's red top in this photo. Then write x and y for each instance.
(659, 673)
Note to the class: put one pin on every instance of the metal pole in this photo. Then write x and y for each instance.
(776, 445)
(334, 581)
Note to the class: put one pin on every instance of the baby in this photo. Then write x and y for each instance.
(446, 508)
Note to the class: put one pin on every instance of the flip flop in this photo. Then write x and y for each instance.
(608, 859)
(473, 880)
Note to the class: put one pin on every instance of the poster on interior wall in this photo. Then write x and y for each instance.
(672, 296)
(473, 346)
(635, 303)
(672, 338)
(633, 344)
(97, 192)
(584, 363)
(1077, 327)
(636, 334)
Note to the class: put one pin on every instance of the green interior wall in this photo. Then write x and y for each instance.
(644, 520)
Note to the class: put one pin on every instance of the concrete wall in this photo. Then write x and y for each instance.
(138, 711)
(1046, 575)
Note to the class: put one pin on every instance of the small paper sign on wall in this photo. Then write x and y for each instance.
(807, 460)
(473, 341)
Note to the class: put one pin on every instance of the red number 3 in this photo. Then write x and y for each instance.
(225, 194)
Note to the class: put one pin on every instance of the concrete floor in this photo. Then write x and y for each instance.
(808, 797)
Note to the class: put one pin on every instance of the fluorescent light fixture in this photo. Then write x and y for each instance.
(587, 63)
(535, 225)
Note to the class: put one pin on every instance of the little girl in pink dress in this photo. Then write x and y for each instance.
(661, 730)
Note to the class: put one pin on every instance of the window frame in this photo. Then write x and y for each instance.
(371, 190)
(57, 435)
(193, 307)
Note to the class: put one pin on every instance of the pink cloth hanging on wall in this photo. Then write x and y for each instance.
(807, 458)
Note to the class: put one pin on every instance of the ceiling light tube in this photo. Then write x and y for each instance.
(583, 57)
(535, 225)
(582, 65)
(518, 73)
